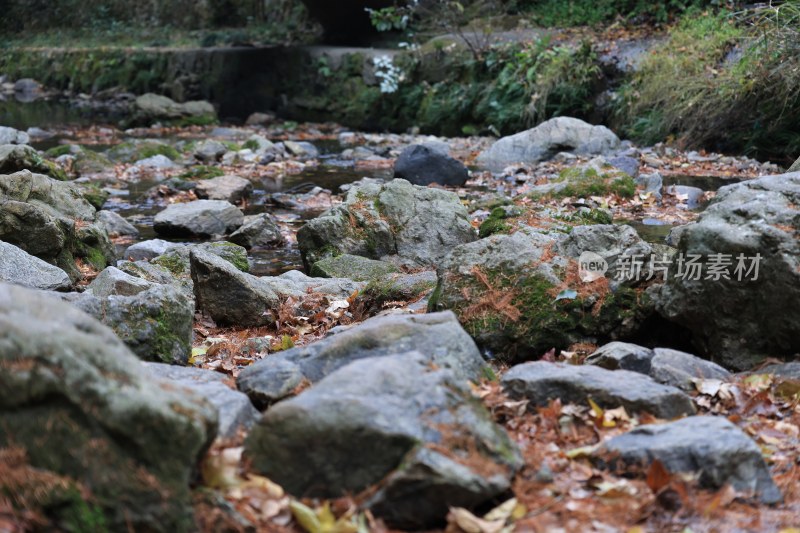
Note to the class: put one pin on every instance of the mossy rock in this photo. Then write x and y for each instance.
(14, 158)
(588, 181)
(94, 194)
(202, 172)
(132, 151)
(90, 162)
(352, 267)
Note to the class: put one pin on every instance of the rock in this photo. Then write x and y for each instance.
(155, 323)
(12, 136)
(710, 446)
(548, 139)
(785, 370)
(150, 108)
(150, 249)
(259, 119)
(260, 144)
(176, 260)
(81, 407)
(651, 183)
(209, 150)
(393, 420)
(115, 225)
(421, 164)
(795, 166)
(670, 367)
(295, 284)
(756, 218)
(228, 187)
(200, 217)
(51, 220)
(353, 267)
(139, 149)
(90, 162)
(505, 290)
(228, 295)
(158, 161)
(14, 157)
(539, 382)
(400, 287)
(258, 230)
(113, 281)
(438, 336)
(694, 196)
(20, 268)
(301, 148)
(417, 224)
(27, 90)
(233, 408)
(628, 165)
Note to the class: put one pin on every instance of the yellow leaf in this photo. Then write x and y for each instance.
(596, 409)
(306, 517)
(502, 511)
(470, 523)
(327, 521)
(583, 451)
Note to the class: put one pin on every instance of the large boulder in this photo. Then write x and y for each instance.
(151, 108)
(395, 420)
(437, 335)
(561, 134)
(540, 382)
(53, 221)
(522, 294)
(419, 225)
(21, 268)
(708, 446)
(742, 306)
(423, 164)
(228, 295)
(14, 158)
(201, 218)
(78, 404)
(155, 321)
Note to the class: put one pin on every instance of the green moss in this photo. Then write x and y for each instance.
(172, 262)
(202, 172)
(166, 341)
(58, 151)
(159, 149)
(494, 223)
(251, 144)
(94, 194)
(586, 216)
(233, 253)
(586, 182)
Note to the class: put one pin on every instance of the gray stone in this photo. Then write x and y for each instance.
(80, 405)
(352, 267)
(670, 367)
(741, 323)
(113, 281)
(401, 287)
(90, 162)
(146, 250)
(12, 136)
(417, 224)
(209, 150)
(20, 268)
(157, 161)
(17, 157)
(392, 419)
(651, 183)
(628, 165)
(301, 148)
(785, 370)
(115, 225)
(295, 284)
(438, 336)
(51, 220)
(201, 217)
(155, 323)
(258, 230)
(540, 382)
(228, 187)
(233, 408)
(228, 295)
(694, 196)
(548, 139)
(423, 164)
(709, 446)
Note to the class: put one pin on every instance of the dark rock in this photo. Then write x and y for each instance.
(438, 336)
(710, 446)
(228, 295)
(352, 267)
(14, 157)
(540, 382)
(258, 230)
(393, 420)
(149, 249)
(115, 225)
(421, 164)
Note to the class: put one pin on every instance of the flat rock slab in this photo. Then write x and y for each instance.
(710, 446)
(234, 408)
(540, 382)
(394, 420)
(352, 267)
(20, 268)
(667, 366)
(439, 336)
(201, 217)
